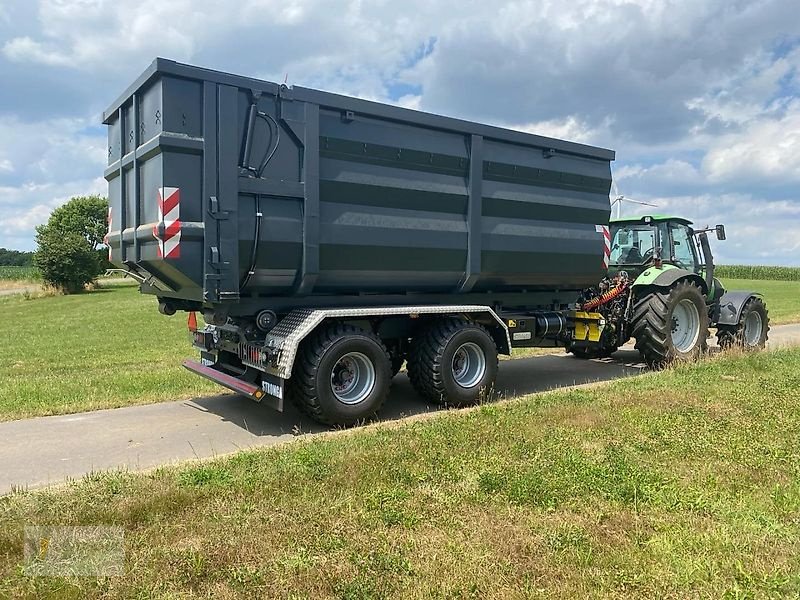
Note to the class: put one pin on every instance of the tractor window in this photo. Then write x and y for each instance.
(632, 244)
(682, 254)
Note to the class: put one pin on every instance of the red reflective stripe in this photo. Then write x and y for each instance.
(228, 381)
(170, 202)
(171, 229)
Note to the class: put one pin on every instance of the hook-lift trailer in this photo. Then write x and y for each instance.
(328, 240)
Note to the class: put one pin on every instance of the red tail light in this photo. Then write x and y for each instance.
(191, 322)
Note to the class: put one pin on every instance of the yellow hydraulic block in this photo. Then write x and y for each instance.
(588, 326)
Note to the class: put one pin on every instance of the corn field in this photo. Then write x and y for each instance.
(19, 274)
(758, 272)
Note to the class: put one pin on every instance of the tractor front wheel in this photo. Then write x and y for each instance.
(671, 324)
(752, 330)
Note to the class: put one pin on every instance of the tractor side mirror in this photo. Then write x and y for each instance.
(624, 238)
(720, 229)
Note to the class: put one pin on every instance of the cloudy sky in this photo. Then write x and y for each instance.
(700, 99)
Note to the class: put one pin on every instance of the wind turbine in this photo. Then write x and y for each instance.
(620, 199)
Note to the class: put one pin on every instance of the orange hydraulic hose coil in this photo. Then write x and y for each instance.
(607, 297)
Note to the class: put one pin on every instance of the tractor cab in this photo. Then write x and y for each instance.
(638, 243)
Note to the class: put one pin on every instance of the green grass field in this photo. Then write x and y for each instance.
(782, 297)
(110, 348)
(683, 483)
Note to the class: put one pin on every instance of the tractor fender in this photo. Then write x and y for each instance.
(731, 305)
(666, 277)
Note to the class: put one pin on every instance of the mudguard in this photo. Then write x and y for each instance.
(731, 305)
(667, 275)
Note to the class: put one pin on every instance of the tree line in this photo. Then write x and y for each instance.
(15, 258)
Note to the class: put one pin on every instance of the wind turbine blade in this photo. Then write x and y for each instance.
(640, 202)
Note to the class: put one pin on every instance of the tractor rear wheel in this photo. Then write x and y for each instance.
(752, 330)
(453, 362)
(671, 324)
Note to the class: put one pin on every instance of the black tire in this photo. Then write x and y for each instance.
(431, 362)
(729, 336)
(311, 385)
(654, 321)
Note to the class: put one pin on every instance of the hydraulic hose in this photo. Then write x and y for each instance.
(605, 298)
(254, 252)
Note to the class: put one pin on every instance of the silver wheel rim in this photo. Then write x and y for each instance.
(352, 378)
(685, 325)
(469, 365)
(753, 325)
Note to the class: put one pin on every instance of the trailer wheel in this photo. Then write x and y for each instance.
(671, 324)
(752, 331)
(454, 362)
(341, 375)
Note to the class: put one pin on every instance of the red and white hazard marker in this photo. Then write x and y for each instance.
(105, 238)
(169, 201)
(606, 231)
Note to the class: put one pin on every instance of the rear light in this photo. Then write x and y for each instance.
(191, 322)
(203, 340)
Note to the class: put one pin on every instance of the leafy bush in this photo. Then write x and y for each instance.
(66, 261)
(67, 255)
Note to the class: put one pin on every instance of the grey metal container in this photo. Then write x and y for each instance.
(242, 194)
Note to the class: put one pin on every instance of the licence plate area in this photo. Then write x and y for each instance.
(272, 386)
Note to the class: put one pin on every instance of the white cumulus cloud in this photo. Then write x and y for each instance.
(767, 149)
(699, 99)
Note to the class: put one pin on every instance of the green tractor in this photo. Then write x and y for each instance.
(661, 290)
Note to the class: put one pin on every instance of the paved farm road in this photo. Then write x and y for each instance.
(36, 452)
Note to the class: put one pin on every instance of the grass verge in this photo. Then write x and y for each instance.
(107, 348)
(675, 484)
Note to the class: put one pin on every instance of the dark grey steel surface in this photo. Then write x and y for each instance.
(358, 199)
(731, 305)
